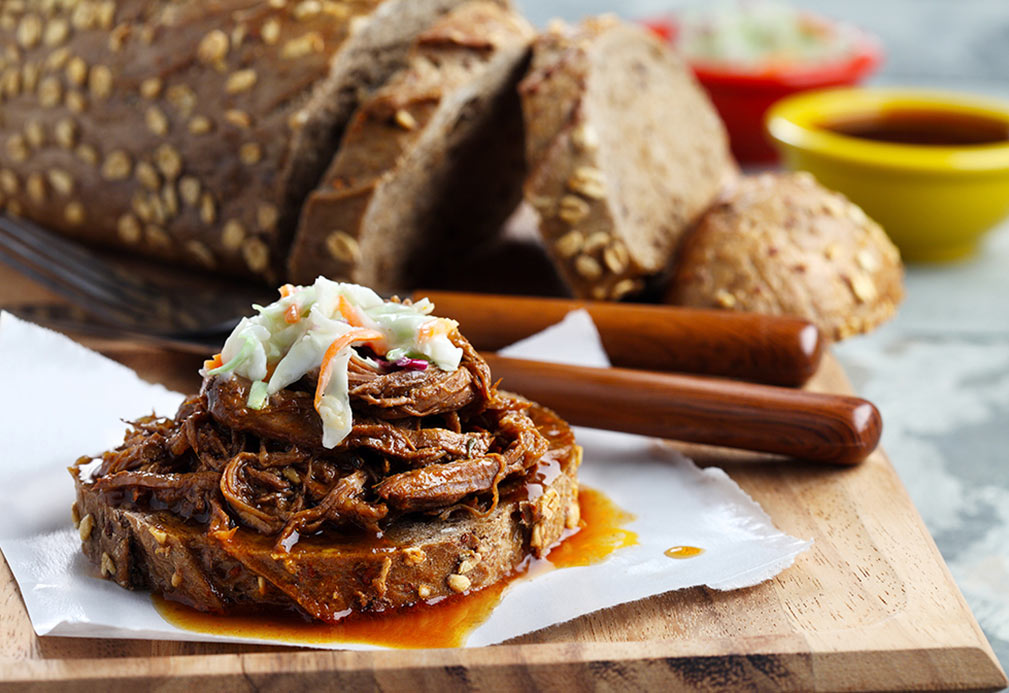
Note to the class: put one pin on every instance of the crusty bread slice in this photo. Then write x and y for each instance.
(418, 558)
(625, 152)
(430, 166)
(782, 244)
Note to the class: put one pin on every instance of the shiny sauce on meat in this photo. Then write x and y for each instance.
(437, 624)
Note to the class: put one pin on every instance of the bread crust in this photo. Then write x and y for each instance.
(418, 558)
(782, 244)
(616, 184)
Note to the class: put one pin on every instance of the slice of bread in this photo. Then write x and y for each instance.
(781, 244)
(625, 152)
(430, 166)
(417, 558)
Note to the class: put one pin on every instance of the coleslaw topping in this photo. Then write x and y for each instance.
(316, 327)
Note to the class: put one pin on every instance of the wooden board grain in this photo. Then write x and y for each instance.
(870, 606)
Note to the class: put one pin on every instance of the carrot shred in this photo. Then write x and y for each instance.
(349, 312)
(286, 290)
(359, 334)
(292, 314)
(213, 362)
(432, 329)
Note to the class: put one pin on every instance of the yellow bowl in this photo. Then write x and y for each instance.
(935, 202)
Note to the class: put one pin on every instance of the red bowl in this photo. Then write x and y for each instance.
(741, 97)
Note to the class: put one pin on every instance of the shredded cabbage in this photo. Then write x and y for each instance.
(243, 355)
(257, 395)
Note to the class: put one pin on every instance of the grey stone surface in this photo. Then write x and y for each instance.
(940, 371)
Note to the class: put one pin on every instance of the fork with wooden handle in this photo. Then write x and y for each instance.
(774, 350)
(758, 348)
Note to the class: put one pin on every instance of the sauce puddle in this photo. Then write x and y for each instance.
(683, 551)
(438, 624)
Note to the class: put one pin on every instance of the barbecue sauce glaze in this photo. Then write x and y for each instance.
(437, 624)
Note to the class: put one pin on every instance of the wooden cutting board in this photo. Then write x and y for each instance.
(870, 606)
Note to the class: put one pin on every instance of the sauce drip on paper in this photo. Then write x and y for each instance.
(683, 551)
(441, 623)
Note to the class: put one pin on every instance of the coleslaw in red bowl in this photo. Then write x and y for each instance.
(747, 56)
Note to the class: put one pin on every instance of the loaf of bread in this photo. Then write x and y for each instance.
(430, 166)
(782, 244)
(625, 152)
(186, 130)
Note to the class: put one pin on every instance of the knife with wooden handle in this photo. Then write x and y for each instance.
(758, 348)
(804, 425)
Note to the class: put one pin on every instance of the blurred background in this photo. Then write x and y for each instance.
(959, 44)
(940, 371)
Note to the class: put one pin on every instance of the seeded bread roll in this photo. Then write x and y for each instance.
(430, 166)
(625, 152)
(782, 244)
(190, 130)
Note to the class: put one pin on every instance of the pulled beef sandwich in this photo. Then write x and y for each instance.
(345, 453)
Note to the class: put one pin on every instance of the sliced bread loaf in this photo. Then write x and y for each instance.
(430, 166)
(784, 245)
(625, 152)
(186, 130)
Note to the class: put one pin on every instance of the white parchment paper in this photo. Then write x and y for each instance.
(61, 400)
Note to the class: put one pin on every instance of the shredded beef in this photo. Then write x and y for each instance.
(440, 485)
(422, 441)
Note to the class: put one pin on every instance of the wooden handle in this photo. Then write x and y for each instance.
(747, 346)
(804, 425)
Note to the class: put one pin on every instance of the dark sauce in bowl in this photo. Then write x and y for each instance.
(923, 127)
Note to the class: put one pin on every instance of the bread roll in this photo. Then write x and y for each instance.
(782, 244)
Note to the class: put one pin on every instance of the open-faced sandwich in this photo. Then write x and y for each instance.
(345, 453)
